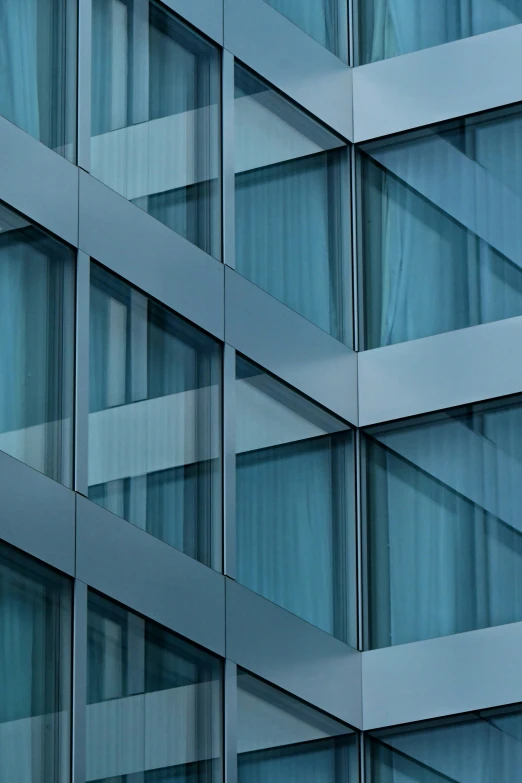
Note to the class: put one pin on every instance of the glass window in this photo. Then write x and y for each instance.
(38, 70)
(281, 739)
(443, 501)
(292, 207)
(155, 116)
(35, 671)
(154, 422)
(324, 20)
(153, 702)
(485, 746)
(36, 347)
(391, 27)
(295, 503)
(441, 247)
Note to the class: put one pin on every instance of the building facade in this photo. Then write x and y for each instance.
(223, 222)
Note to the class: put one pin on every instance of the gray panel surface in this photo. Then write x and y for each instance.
(38, 182)
(461, 673)
(148, 254)
(291, 347)
(292, 654)
(425, 87)
(440, 372)
(36, 514)
(206, 15)
(287, 57)
(149, 576)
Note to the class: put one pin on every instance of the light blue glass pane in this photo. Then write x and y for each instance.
(391, 27)
(294, 505)
(35, 671)
(156, 116)
(292, 207)
(445, 534)
(440, 229)
(154, 423)
(324, 20)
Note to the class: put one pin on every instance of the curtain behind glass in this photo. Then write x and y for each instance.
(323, 761)
(35, 676)
(37, 70)
(445, 538)
(36, 350)
(440, 244)
(393, 27)
(324, 20)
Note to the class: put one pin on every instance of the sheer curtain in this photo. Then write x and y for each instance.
(316, 762)
(318, 18)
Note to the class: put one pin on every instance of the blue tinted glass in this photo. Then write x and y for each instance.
(324, 20)
(391, 27)
(440, 238)
(443, 500)
(295, 504)
(292, 207)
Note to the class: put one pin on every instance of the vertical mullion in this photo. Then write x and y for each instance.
(79, 702)
(353, 41)
(227, 145)
(230, 722)
(356, 288)
(229, 460)
(359, 542)
(81, 395)
(84, 83)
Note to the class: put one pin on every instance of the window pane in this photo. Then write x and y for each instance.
(153, 702)
(36, 347)
(35, 671)
(443, 514)
(154, 423)
(155, 116)
(38, 70)
(324, 20)
(295, 504)
(441, 247)
(392, 27)
(292, 207)
(485, 746)
(280, 739)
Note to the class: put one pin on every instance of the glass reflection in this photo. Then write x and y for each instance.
(292, 207)
(443, 500)
(35, 671)
(440, 228)
(324, 20)
(281, 739)
(154, 423)
(155, 116)
(294, 503)
(153, 702)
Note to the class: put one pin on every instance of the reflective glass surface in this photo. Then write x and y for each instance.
(155, 116)
(295, 503)
(154, 422)
(324, 20)
(391, 27)
(485, 746)
(443, 510)
(35, 671)
(440, 217)
(153, 702)
(292, 207)
(280, 739)
(38, 70)
(36, 347)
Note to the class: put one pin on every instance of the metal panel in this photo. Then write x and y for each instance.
(287, 57)
(149, 576)
(461, 673)
(148, 254)
(440, 372)
(206, 15)
(291, 347)
(36, 514)
(84, 83)
(293, 654)
(38, 182)
(79, 728)
(436, 84)
(81, 402)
